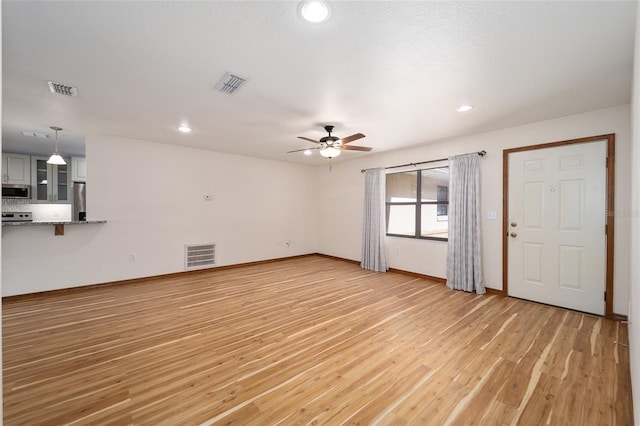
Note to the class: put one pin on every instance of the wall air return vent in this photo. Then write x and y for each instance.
(199, 256)
(62, 89)
(230, 83)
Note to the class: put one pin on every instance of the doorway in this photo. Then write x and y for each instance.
(557, 235)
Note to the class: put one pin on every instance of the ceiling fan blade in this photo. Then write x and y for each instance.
(307, 139)
(356, 148)
(352, 138)
(300, 150)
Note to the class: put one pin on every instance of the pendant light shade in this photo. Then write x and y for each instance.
(56, 158)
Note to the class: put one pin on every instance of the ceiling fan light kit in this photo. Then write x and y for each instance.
(332, 146)
(329, 152)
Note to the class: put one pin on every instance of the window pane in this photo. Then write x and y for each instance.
(401, 220)
(41, 178)
(402, 187)
(62, 183)
(443, 195)
(435, 184)
(432, 224)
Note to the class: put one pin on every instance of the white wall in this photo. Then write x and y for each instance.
(634, 293)
(342, 189)
(151, 194)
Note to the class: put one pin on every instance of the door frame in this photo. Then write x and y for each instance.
(609, 220)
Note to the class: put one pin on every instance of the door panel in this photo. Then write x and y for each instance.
(571, 204)
(557, 217)
(532, 255)
(533, 205)
(571, 267)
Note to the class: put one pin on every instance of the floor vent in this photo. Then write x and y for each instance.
(62, 89)
(230, 83)
(199, 256)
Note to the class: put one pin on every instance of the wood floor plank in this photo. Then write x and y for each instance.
(308, 340)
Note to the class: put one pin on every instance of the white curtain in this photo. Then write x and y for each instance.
(463, 257)
(374, 252)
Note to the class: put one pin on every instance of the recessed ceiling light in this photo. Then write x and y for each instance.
(307, 152)
(184, 129)
(464, 108)
(315, 11)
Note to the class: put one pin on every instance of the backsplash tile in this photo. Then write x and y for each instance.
(40, 212)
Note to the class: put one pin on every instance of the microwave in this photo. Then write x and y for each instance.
(16, 191)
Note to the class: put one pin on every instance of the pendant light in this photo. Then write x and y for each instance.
(56, 158)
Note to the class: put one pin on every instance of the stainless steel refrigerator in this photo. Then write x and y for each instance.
(79, 201)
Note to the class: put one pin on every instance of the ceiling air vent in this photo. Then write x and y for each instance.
(62, 89)
(199, 256)
(35, 134)
(230, 83)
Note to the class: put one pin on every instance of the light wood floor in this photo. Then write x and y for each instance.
(307, 341)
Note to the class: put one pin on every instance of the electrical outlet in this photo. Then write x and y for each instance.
(132, 257)
(208, 197)
(492, 215)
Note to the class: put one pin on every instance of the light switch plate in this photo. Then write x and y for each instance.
(492, 215)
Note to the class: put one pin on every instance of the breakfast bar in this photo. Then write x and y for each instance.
(58, 226)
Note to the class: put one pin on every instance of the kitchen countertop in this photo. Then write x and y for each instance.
(58, 225)
(68, 222)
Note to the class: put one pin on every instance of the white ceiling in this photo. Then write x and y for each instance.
(395, 71)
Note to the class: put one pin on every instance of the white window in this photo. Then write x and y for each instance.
(418, 217)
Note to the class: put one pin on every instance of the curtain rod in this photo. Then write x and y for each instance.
(480, 153)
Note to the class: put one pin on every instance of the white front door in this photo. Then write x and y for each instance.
(556, 225)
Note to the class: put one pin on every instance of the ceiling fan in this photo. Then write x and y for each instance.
(330, 146)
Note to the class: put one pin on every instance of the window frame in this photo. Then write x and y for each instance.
(418, 205)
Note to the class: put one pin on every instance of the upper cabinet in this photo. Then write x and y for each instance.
(78, 169)
(51, 183)
(16, 169)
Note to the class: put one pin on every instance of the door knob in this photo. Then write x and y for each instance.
(513, 235)
(514, 224)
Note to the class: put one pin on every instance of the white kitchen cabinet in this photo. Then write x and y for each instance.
(78, 169)
(51, 183)
(16, 169)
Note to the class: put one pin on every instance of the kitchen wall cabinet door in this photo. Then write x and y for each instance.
(78, 169)
(51, 183)
(16, 169)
